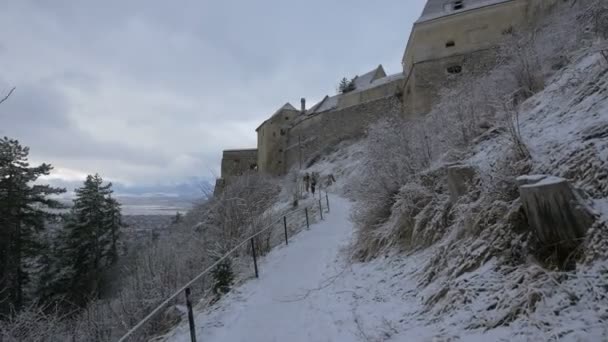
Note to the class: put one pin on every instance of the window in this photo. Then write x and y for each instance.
(454, 69)
(458, 5)
(282, 131)
(287, 118)
(450, 44)
(280, 150)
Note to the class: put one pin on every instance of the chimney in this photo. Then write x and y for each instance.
(303, 102)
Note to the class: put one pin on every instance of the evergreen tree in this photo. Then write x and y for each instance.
(24, 211)
(177, 218)
(346, 85)
(223, 278)
(111, 227)
(91, 236)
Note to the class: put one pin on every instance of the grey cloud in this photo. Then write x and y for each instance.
(152, 91)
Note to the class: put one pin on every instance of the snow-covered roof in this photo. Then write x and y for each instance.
(286, 106)
(366, 79)
(328, 103)
(438, 8)
(380, 81)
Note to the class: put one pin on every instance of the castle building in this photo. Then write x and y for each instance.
(454, 37)
(272, 139)
(450, 39)
(290, 138)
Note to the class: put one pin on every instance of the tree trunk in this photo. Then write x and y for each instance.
(556, 213)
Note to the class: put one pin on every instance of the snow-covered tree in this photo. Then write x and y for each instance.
(23, 214)
(90, 238)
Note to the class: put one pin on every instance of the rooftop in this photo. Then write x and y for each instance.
(440, 8)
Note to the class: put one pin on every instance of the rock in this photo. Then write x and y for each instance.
(459, 178)
(556, 213)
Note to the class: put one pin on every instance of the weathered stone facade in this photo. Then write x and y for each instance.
(238, 162)
(272, 139)
(313, 134)
(291, 133)
(450, 38)
(456, 37)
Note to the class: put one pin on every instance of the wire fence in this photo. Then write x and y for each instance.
(306, 213)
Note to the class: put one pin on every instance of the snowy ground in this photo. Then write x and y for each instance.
(293, 300)
(308, 291)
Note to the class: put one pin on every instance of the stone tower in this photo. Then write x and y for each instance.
(272, 140)
(454, 37)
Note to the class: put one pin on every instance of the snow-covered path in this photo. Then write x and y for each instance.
(287, 302)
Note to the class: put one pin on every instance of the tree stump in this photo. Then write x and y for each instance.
(556, 213)
(459, 178)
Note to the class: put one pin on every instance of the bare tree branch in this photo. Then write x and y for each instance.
(7, 95)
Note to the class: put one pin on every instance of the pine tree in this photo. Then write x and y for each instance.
(111, 228)
(91, 236)
(346, 86)
(24, 211)
(222, 278)
(177, 218)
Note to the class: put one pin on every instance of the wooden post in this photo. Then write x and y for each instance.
(255, 260)
(307, 223)
(327, 199)
(320, 209)
(285, 226)
(190, 316)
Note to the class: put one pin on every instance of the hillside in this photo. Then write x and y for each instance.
(470, 278)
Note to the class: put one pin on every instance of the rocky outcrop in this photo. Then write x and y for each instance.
(556, 213)
(459, 179)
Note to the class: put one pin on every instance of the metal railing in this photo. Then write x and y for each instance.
(186, 288)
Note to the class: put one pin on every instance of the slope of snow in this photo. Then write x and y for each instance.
(290, 301)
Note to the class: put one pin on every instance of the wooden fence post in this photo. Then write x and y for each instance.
(320, 209)
(285, 226)
(190, 316)
(255, 260)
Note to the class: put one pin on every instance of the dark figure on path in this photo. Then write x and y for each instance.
(330, 179)
(313, 184)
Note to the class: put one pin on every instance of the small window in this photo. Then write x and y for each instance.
(457, 5)
(282, 131)
(450, 44)
(280, 162)
(454, 69)
(287, 118)
(274, 134)
(280, 150)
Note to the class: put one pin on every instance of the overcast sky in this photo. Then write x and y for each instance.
(150, 92)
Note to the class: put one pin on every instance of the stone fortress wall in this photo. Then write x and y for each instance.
(333, 119)
(272, 139)
(238, 162)
(451, 38)
(455, 37)
(314, 134)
